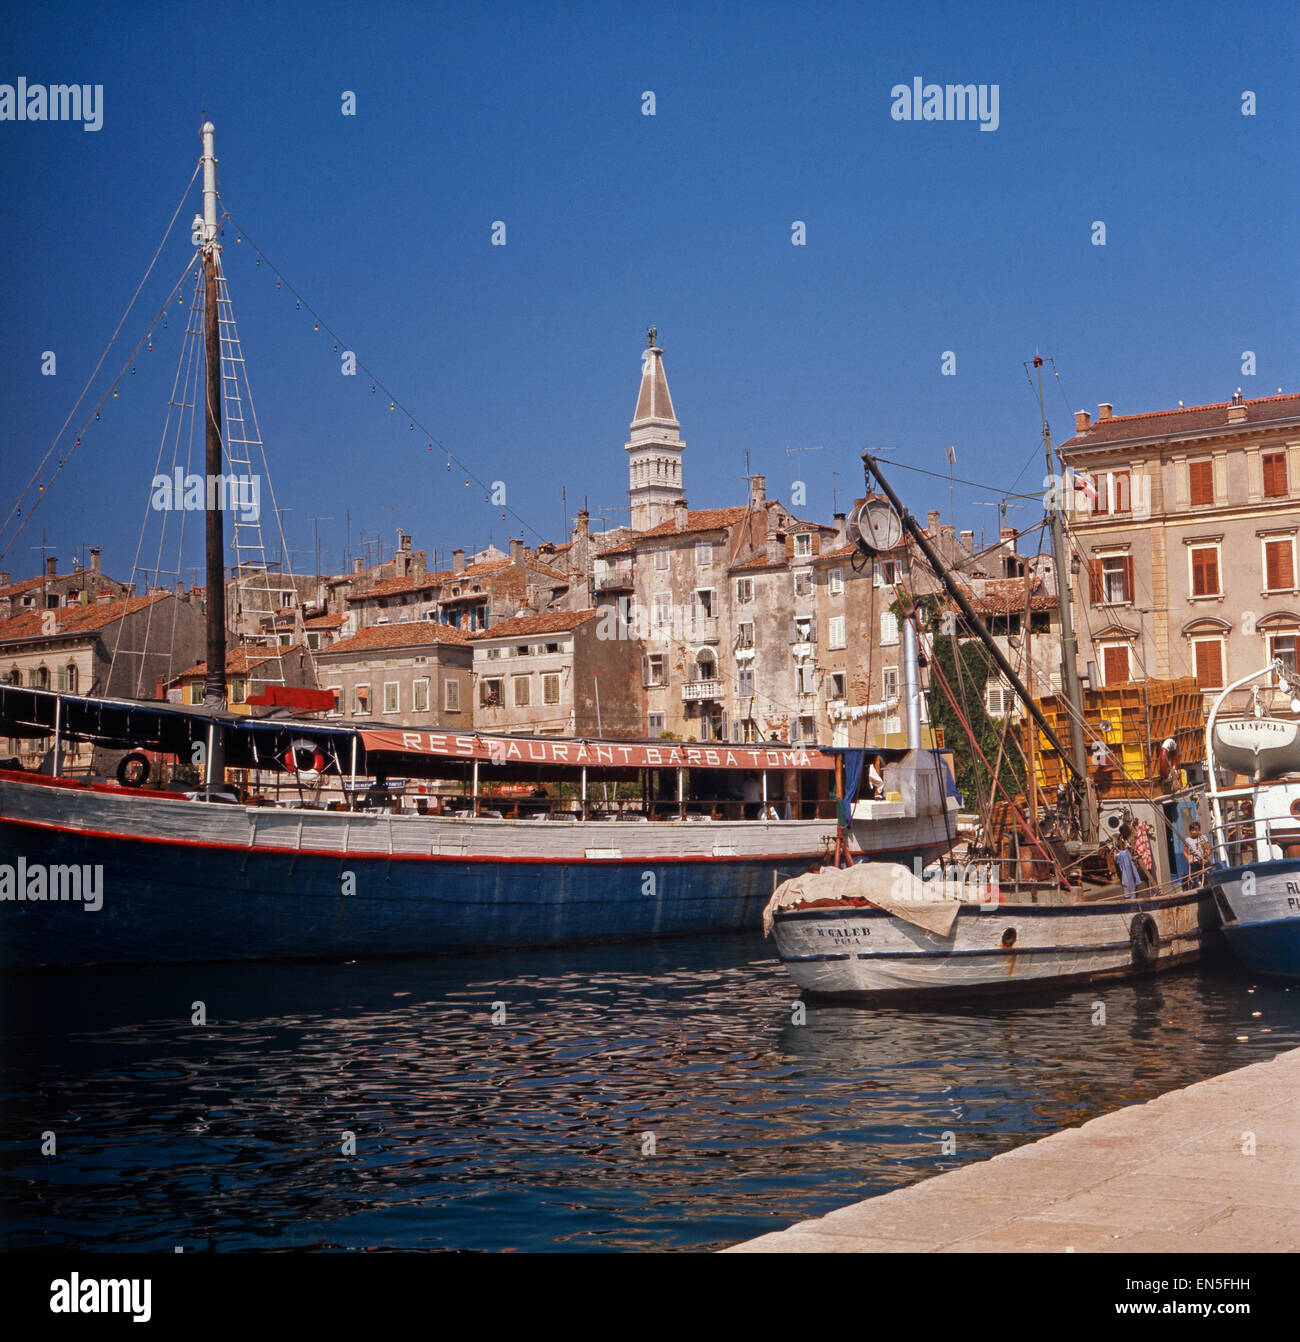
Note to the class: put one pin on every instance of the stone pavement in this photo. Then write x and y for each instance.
(1167, 1176)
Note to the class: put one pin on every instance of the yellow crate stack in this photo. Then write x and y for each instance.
(1132, 720)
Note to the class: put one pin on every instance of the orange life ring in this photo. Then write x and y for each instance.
(293, 760)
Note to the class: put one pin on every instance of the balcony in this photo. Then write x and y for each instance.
(694, 690)
(618, 579)
(702, 629)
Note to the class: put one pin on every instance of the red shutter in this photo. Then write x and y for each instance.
(1279, 566)
(1209, 664)
(1201, 478)
(1121, 503)
(1094, 582)
(1128, 578)
(1116, 665)
(1275, 481)
(1205, 571)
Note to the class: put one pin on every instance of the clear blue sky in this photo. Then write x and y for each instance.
(921, 237)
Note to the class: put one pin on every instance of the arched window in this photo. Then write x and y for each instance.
(705, 665)
(70, 673)
(41, 677)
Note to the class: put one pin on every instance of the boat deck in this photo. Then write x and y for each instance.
(1172, 1175)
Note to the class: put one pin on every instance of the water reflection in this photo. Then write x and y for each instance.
(534, 1132)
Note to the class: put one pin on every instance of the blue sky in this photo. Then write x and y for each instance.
(922, 237)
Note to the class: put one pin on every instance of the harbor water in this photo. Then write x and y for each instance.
(653, 1096)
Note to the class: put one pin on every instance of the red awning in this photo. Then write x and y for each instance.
(593, 754)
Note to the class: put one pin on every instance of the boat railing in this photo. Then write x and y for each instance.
(1244, 837)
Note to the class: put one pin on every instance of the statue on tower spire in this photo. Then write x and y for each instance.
(651, 337)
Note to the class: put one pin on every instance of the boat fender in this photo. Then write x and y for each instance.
(305, 759)
(1144, 938)
(133, 769)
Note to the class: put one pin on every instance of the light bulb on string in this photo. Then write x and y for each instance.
(392, 405)
(297, 307)
(315, 326)
(277, 284)
(259, 258)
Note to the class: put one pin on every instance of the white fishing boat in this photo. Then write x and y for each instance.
(1048, 909)
(1256, 825)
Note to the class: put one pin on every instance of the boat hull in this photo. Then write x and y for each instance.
(193, 881)
(864, 954)
(1260, 904)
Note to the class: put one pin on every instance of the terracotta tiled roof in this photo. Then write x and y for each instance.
(412, 634)
(1185, 419)
(326, 622)
(75, 619)
(239, 661)
(1006, 596)
(697, 519)
(16, 588)
(392, 586)
(752, 565)
(843, 552)
(553, 622)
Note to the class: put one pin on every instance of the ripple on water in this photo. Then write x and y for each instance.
(640, 1096)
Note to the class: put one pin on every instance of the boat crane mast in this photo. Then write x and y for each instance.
(954, 590)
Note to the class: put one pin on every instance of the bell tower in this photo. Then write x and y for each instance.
(654, 447)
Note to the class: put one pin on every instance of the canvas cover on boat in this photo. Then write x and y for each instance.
(888, 885)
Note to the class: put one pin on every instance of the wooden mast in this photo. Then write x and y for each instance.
(214, 682)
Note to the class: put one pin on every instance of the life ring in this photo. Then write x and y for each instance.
(133, 769)
(295, 760)
(1144, 938)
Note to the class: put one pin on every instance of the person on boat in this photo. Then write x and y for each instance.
(1196, 849)
(1125, 865)
(876, 778)
(1141, 850)
(770, 812)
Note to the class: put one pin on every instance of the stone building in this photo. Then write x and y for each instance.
(53, 589)
(1184, 528)
(412, 674)
(121, 647)
(561, 673)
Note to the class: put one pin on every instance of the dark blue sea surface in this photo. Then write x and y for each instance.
(639, 1096)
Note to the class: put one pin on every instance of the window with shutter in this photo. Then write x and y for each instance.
(1208, 661)
(1115, 663)
(1279, 565)
(1276, 485)
(1205, 570)
(1200, 477)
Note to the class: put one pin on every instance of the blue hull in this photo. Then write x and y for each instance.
(1268, 948)
(187, 904)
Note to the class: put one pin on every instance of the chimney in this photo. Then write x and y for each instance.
(356, 565)
(757, 491)
(1237, 410)
(5, 579)
(1082, 421)
(775, 548)
(458, 560)
(584, 520)
(932, 520)
(1008, 534)
(680, 514)
(403, 541)
(968, 541)
(841, 529)
(1104, 411)
(517, 553)
(51, 567)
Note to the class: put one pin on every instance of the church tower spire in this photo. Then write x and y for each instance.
(654, 448)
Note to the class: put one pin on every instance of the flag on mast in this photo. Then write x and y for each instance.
(952, 454)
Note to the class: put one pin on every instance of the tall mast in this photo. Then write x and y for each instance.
(954, 590)
(1069, 648)
(214, 682)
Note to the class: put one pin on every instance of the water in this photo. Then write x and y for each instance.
(536, 1133)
